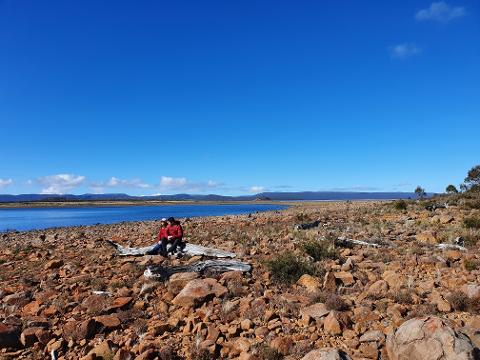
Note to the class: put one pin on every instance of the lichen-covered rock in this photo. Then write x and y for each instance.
(429, 338)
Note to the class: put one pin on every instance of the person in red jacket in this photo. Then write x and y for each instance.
(174, 234)
(162, 240)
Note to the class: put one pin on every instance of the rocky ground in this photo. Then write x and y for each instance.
(308, 295)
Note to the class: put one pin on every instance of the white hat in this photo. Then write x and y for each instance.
(164, 219)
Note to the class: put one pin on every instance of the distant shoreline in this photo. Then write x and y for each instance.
(97, 203)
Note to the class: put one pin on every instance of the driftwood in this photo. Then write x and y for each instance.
(434, 207)
(186, 249)
(342, 239)
(307, 226)
(451, 246)
(163, 273)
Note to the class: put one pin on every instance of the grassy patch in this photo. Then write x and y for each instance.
(287, 268)
(302, 217)
(267, 353)
(400, 205)
(332, 301)
(474, 204)
(472, 223)
(403, 296)
(320, 250)
(471, 265)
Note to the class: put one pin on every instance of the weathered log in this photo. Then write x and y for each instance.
(357, 242)
(451, 246)
(163, 273)
(307, 226)
(186, 249)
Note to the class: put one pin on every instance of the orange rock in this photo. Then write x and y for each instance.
(332, 325)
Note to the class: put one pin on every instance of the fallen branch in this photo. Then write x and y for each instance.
(187, 249)
(357, 242)
(163, 273)
(451, 246)
(307, 226)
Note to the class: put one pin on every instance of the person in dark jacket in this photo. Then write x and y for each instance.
(174, 234)
(162, 240)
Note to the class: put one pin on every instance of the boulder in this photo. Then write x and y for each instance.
(429, 338)
(372, 335)
(310, 283)
(9, 336)
(326, 354)
(378, 289)
(345, 277)
(332, 324)
(79, 330)
(198, 291)
(108, 321)
(329, 282)
(471, 290)
(427, 237)
(105, 350)
(315, 311)
(282, 345)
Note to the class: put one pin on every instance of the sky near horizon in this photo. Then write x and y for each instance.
(236, 97)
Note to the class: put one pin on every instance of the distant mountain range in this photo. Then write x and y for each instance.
(278, 196)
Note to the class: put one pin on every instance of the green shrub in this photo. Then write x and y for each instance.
(471, 265)
(400, 205)
(472, 223)
(287, 268)
(320, 250)
(474, 204)
(301, 217)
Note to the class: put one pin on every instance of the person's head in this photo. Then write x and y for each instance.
(164, 222)
(171, 221)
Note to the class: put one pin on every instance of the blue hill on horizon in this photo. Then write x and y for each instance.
(274, 196)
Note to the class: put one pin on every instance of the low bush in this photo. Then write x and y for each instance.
(459, 301)
(403, 296)
(320, 250)
(474, 204)
(267, 353)
(332, 301)
(400, 205)
(301, 217)
(471, 265)
(287, 268)
(472, 223)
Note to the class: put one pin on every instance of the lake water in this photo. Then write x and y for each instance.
(42, 218)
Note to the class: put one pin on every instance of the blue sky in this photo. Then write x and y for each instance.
(233, 97)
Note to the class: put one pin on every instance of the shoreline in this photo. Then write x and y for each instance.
(138, 222)
(121, 203)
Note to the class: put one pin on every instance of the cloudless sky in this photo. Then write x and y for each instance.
(237, 96)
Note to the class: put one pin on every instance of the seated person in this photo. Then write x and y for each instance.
(161, 245)
(174, 234)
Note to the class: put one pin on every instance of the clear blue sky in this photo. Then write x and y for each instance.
(234, 97)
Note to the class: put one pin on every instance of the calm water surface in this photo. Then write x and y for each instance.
(42, 218)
